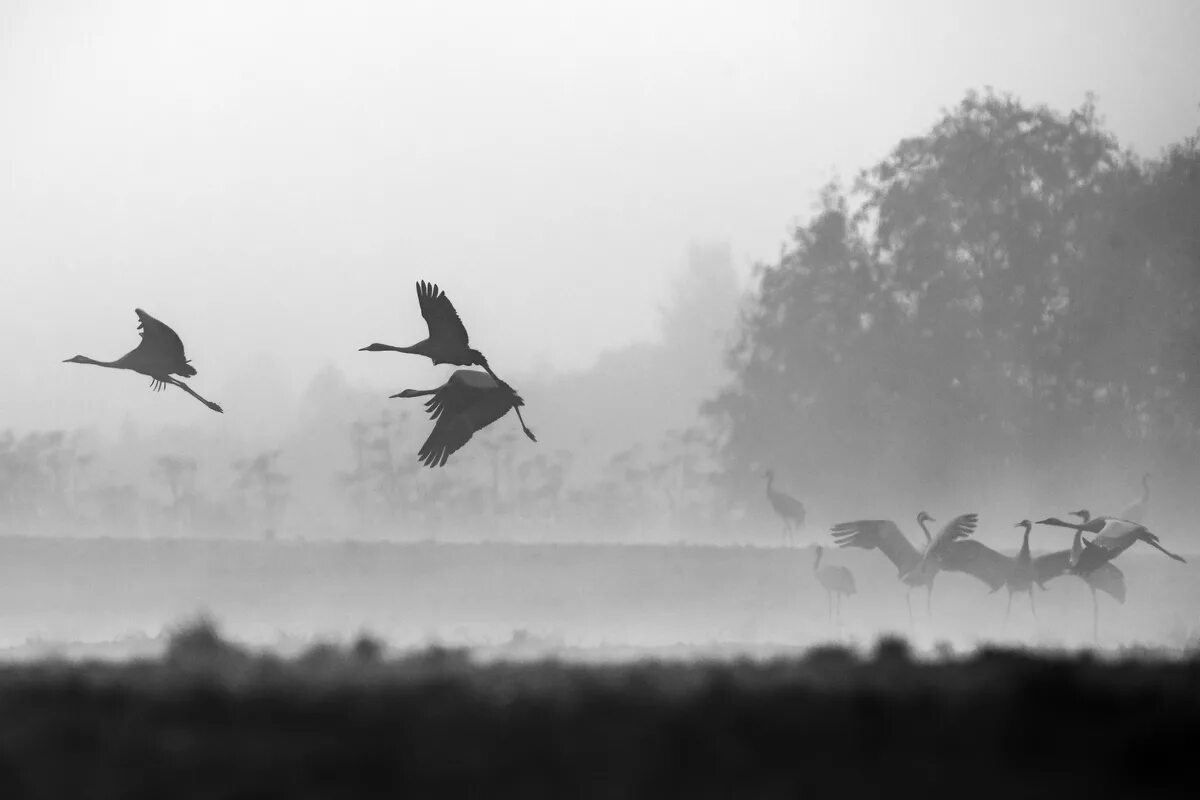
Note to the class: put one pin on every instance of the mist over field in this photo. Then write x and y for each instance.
(898, 287)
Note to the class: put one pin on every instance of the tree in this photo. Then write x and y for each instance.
(1007, 288)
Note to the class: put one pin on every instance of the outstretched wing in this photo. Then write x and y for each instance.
(958, 528)
(440, 316)
(1109, 579)
(463, 390)
(460, 411)
(878, 534)
(978, 560)
(163, 345)
(1051, 565)
(1118, 532)
(451, 432)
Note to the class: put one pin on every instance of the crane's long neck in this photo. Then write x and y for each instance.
(1024, 554)
(817, 560)
(924, 530)
(377, 347)
(1145, 488)
(1076, 548)
(94, 362)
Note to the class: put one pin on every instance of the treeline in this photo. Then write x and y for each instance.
(1006, 297)
(369, 483)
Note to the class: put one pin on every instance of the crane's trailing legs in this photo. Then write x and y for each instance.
(524, 427)
(188, 389)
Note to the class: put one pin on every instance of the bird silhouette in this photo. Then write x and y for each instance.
(447, 342)
(1097, 571)
(1022, 571)
(1113, 536)
(159, 356)
(949, 551)
(467, 402)
(789, 509)
(838, 582)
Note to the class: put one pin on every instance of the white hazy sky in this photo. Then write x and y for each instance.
(273, 177)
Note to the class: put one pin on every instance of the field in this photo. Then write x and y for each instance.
(63, 595)
(572, 671)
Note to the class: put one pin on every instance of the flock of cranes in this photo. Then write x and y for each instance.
(470, 400)
(465, 404)
(953, 550)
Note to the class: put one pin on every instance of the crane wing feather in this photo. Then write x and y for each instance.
(1109, 579)
(976, 559)
(440, 317)
(160, 348)
(878, 534)
(958, 528)
(1051, 565)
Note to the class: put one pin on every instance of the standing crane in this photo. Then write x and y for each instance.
(789, 509)
(1136, 511)
(158, 356)
(447, 342)
(1022, 573)
(838, 582)
(1092, 561)
(950, 550)
(1105, 577)
(467, 402)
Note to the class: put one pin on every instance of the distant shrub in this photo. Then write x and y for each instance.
(198, 643)
(367, 648)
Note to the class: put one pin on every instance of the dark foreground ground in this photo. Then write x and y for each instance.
(208, 720)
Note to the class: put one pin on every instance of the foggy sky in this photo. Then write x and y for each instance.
(272, 178)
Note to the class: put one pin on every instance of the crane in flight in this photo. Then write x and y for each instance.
(447, 342)
(1112, 536)
(158, 356)
(467, 402)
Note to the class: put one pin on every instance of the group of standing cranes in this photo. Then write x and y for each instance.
(466, 403)
(953, 550)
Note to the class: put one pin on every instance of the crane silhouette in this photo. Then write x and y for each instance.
(467, 402)
(838, 582)
(1022, 571)
(1113, 536)
(950, 550)
(159, 356)
(1092, 561)
(447, 342)
(1105, 577)
(789, 509)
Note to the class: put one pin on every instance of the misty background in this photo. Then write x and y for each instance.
(803, 236)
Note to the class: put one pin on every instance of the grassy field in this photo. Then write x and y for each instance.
(598, 598)
(716, 681)
(209, 720)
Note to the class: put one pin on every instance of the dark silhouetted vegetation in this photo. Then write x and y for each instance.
(214, 720)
